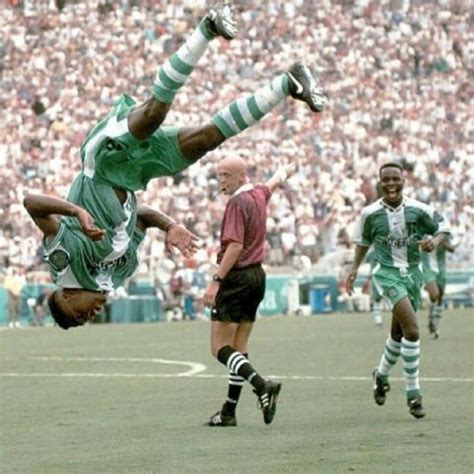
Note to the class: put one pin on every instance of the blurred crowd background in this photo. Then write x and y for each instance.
(398, 74)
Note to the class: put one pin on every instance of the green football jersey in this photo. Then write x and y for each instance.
(76, 261)
(112, 155)
(111, 158)
(395, 233)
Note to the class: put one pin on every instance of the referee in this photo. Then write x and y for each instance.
(238, 286)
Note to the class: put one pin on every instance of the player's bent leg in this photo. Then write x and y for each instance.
(390, 356)
(145, 118)
(173, 74)
(405, 315)
(410, 353)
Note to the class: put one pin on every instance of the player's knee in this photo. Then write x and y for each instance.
(412, 334)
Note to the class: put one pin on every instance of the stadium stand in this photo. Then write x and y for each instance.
(397, 72)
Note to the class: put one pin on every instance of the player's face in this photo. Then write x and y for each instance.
(391, 184)
(80, 305)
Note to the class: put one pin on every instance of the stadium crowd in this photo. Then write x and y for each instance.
(398, 73)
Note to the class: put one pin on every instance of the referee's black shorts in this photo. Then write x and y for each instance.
(239, 295)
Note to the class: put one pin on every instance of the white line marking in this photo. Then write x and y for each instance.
(195, 370)
(194, 367)
(213, 376)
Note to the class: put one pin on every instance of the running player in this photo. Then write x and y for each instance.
(395, 226)
(434, 274)
(93, 247)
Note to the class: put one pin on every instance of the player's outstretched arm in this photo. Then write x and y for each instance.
(43, 209)
(281, 175)
(176, 235)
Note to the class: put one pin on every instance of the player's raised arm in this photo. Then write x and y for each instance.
(43, 209)
(176, 235)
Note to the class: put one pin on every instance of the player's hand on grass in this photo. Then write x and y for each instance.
(181, 238)
(351, 278)
(426, 245)
(88, 225)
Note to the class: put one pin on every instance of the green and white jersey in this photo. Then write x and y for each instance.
(112, 155)
(395, 233)
(76, 261)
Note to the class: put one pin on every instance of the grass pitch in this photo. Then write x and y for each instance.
(133, 399)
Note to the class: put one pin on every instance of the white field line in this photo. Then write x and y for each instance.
(195, 370)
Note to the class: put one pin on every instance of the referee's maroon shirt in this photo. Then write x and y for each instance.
(245, 221)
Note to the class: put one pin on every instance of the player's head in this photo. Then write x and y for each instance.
(391, 182)
(232, 173)
(74, 307)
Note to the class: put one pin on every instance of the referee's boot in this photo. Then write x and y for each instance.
(220, 21)
(381, 388)
(306, 86)
(267, 400)
(221, 419)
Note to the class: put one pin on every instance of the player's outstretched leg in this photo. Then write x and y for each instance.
(389, 358)
(175, 71)
(305, 85)
(145, 118)
(246, 111)
(299, 82)
(221, 22)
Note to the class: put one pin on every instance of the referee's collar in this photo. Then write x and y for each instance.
(243, 188)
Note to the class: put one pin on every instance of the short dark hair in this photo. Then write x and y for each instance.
(62, 320)
(391, 164)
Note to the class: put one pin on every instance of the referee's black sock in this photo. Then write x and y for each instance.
(234, 390)
(239, 364)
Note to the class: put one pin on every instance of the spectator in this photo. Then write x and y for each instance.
(402, 90)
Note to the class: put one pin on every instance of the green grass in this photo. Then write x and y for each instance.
(136, 416)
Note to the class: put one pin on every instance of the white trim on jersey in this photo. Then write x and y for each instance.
(121, 239)
(113, 129)
(398, 229)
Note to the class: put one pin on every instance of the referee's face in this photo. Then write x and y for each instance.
(230, 178)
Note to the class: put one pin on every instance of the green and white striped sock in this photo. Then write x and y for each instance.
(377, 312)
(172, 75)
(411, 362)
(389, 357)
(247, 111)
(438, 311)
